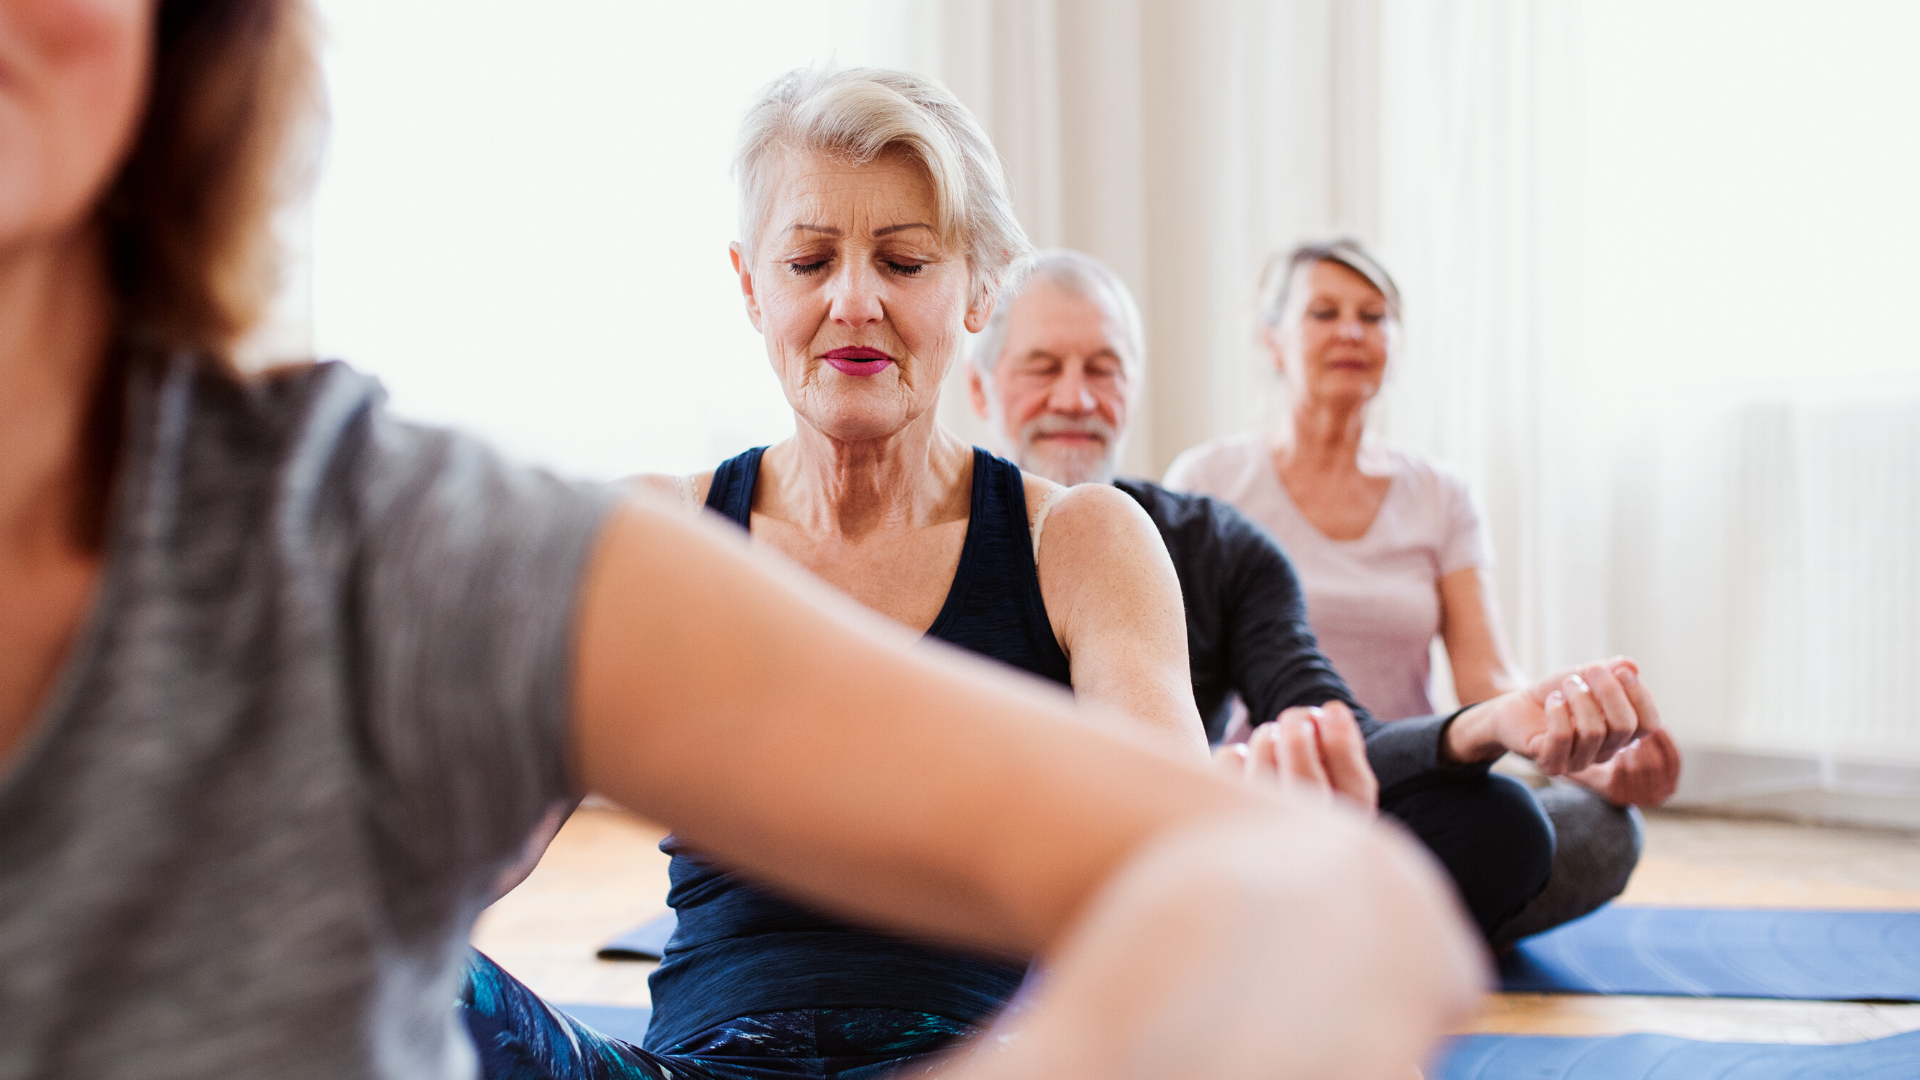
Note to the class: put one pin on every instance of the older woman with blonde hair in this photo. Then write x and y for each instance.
(876, 233)
(1391, 553)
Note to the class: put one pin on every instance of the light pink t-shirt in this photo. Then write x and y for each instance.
(1374, 602)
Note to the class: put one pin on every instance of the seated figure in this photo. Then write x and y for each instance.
(875, 234)
(1391, 551)
(1056, 374)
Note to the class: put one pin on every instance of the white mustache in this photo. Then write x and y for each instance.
(1054, 425)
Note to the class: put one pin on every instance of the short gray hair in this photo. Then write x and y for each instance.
(1080, 274)
(1276, 282)
(858, 114)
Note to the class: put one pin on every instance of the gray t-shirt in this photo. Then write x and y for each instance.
(320, 702)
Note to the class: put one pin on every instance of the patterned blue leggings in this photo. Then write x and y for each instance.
(520, 1037)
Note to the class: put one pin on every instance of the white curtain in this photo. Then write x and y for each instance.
(1181, 143)
(1683, 452)
(1185, 143)
(1480, 189)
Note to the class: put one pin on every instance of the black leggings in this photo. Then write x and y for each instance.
(1487, 830)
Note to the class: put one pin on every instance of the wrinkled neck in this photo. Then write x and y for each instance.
(903, 480)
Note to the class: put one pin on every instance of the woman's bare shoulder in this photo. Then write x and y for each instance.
(1045, 497)
(1097, 520)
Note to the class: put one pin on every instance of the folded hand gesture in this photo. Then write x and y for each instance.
(1566, 722)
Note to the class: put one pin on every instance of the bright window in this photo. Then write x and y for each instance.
(523, 219)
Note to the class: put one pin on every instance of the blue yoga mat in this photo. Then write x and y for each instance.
(648, 941)
(1691, 952)
(1662, 1057)
(625, 1022)
(1526, 1057)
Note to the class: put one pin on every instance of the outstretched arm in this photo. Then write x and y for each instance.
(786, 730)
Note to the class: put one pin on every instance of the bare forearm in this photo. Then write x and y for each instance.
(1483, 669)
(1484, 682)
(767, 720)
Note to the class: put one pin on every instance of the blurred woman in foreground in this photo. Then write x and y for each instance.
(1390, 551)
(285, 683)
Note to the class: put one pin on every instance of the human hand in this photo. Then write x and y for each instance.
(1307, 946)
(1317, 752)
(1565, 722)
(1644, 773)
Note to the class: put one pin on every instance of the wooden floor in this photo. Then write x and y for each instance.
(604, 874)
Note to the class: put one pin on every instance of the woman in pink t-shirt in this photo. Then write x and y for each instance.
(1388, 545)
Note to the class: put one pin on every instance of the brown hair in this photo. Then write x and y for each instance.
(230, 128)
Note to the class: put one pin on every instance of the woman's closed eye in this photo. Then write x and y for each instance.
(804, 268)
(904, 269)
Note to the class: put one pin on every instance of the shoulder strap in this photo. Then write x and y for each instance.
(731, 495)
(1040, 517)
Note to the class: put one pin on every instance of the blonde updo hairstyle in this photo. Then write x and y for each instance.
(856, 115)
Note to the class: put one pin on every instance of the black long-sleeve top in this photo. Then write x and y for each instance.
(1247, 630)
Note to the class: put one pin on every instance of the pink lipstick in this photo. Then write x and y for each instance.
(857, 360)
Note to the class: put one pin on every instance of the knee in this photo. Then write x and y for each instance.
(1525, 835)
(1599, 844)
(1596, 847)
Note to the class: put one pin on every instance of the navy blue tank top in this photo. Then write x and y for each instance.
(739, 950)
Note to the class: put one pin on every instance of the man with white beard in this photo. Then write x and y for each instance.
(1056, 373)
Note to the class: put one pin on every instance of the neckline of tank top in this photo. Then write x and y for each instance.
(983, 469)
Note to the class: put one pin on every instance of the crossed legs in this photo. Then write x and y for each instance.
(1523, 860)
